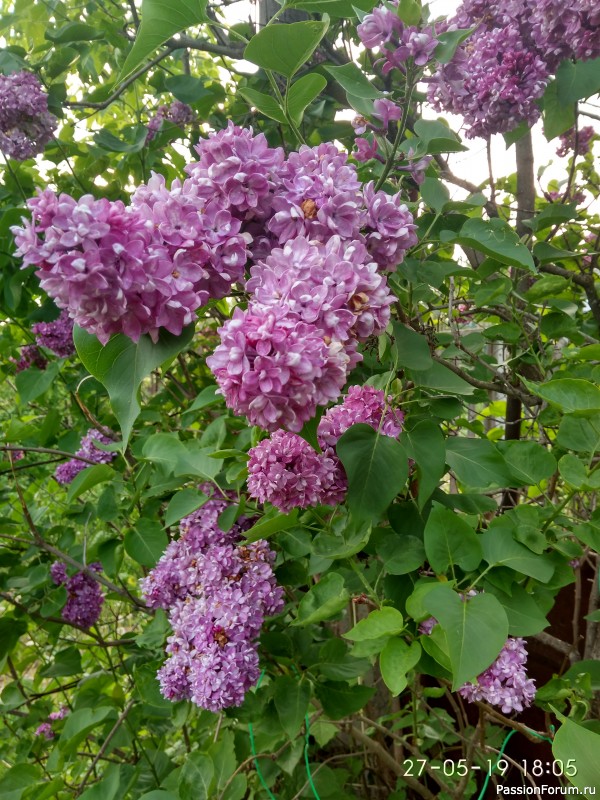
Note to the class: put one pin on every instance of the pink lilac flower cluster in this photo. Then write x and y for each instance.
(398, 43)
(217, 593)
(128, 270)
(30, 356)
(56, 336)
(499, 73)
(46, 729)
(315, 286)
(178, 113)
(26, 125)
(84, 596)
(505, 682)
(88, 450)
(577, 142)
(285, 470)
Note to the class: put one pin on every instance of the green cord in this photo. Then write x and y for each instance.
(261, 777)
(501, 753)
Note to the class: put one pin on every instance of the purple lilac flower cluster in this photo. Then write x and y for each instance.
(384, 29)
(84, 596)
(178, 113)
(88, 450)
(30, 356)
(311, 231)
(26, 125)
(46, 729)
(285, 470)
(56, 336)
(217, 594)
(577, 142)
(505, 682)
(129, 270)
(499, 73)
(316, 287)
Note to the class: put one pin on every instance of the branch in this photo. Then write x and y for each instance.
(105, 744)
(391, 763)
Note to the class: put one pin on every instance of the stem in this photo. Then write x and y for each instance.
(410, 83)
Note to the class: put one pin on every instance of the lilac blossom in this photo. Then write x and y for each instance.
(275, 368)
(285, 471)
(56, 336)
(365, 149)
(505, 682)
(45, 730)
(335, 287)
(390, 227)
(562, 31)
(88, 450)
(84, 596)
(30, 356)
(386, 111)
(178, 113)
(577, 142)
(362, 404)
(26, 125)
(217, 593)
(378, 27)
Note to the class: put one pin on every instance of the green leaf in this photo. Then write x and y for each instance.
(437, 137)
(291, 701)
(286, 48)
(435, 194)
(553, 214)
(335, 8)
(182, 504)
(160, 19)
(571, 395)
(385, 621)
(579, 434)
(66, 662)
(18, 778)
(146, 542)
(11, 630)
(501, 550)
(496, 238)
(411, 349)
(354, 81)
(121, 365)
(448, 42)
(409, 11)
(580, 746)
(377, 469)
(155, 632)
(575, 472)
(33, 382)
(326, 599)
(558, 117)
(302, 93)
(476, 630)
(396, 659)
(196, 777)
(525, 617)
(187, 88)
(266, 104)
(88, 478)
(73, 32)
(529, 462)
(577, 80)
(401, 554)
(79, 723)
(477, 463)
(108, 141)
(427, 447)
(441, 379)
(266, 527)
(340, 700)
(449, 540)
(107, 787)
